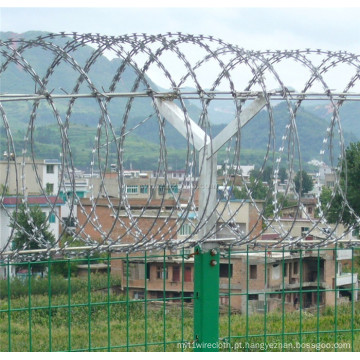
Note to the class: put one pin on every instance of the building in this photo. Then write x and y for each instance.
(172, 272)
(308, 278)
(30, 177)
(153, 220)
(139, 185)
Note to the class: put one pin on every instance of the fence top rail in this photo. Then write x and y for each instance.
(263, 245)
(190, 95)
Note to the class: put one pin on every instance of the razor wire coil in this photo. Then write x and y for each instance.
(139, 55)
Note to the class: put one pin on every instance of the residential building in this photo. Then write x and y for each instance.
(174, 273)
(153, 220)
(139, 185)
(30, 177)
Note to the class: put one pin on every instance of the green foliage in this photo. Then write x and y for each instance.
(30, 224)
(57, 286)
(303, 182)
(131, 322)
(257, 189)
(284, 202)
(332, 209)
(333, 206)
(4, 190)
(66, 266)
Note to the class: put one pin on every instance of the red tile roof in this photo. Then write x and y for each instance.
(270, 236)
(32, 200)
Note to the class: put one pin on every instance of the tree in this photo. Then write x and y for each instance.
(303, 182)
(333, 213)
(256, 187)
(28, 225)
(282, 174)
(350, 184)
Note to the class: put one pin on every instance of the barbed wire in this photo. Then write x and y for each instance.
(197, 74)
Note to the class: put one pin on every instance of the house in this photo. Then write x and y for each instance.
(30, 177)
(137, 185)
(172, 272)
(306, 210)
(251, 280)
(315, 275)
(153, 220)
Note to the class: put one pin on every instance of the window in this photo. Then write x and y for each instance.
(253, 271)
(161, 272)
(131, 189)
(49, 188)
(176, 273)
(52, 218)
(161, 189)
(285, 269)
(253, 296)
(185, 229)
(144, 189)
(226, 270)
(224, 300)
(134, 271)
(304, 229)
(173, 189)
(296, 267)
(49, 169)
(69, 221)
(148, 270)
(187, 275)
(139, 295)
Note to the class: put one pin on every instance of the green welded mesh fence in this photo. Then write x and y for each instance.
(247, 300)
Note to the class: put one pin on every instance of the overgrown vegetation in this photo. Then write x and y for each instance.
(88, 316)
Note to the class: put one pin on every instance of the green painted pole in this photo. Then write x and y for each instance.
(206, 302)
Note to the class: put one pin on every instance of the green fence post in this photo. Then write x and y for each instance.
(206, 300)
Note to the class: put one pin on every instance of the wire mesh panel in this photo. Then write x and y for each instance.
(112, 303)
(269, 301)
(291, 301)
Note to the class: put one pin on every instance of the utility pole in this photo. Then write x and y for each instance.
(206, 282)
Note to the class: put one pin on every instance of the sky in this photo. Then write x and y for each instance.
(258, 28)
(278, 27)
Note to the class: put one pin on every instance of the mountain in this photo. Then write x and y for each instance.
(142, 145)
(349, 114)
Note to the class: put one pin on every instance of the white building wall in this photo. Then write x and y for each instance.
(5, 231)
(51, 178)
(4, 228)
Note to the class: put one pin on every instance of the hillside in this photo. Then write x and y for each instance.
(142, 145)
(349, 114)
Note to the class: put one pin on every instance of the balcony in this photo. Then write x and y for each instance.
(346, 279)
(344, 254)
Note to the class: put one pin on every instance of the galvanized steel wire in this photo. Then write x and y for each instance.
(195, 56)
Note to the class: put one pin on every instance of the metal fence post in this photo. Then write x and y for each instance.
(206, 302)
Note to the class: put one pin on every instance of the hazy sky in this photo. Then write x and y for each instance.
(251, 28)
(256, 28)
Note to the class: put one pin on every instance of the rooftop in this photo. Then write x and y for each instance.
(41, 200)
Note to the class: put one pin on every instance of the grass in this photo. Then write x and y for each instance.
(91, 319)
